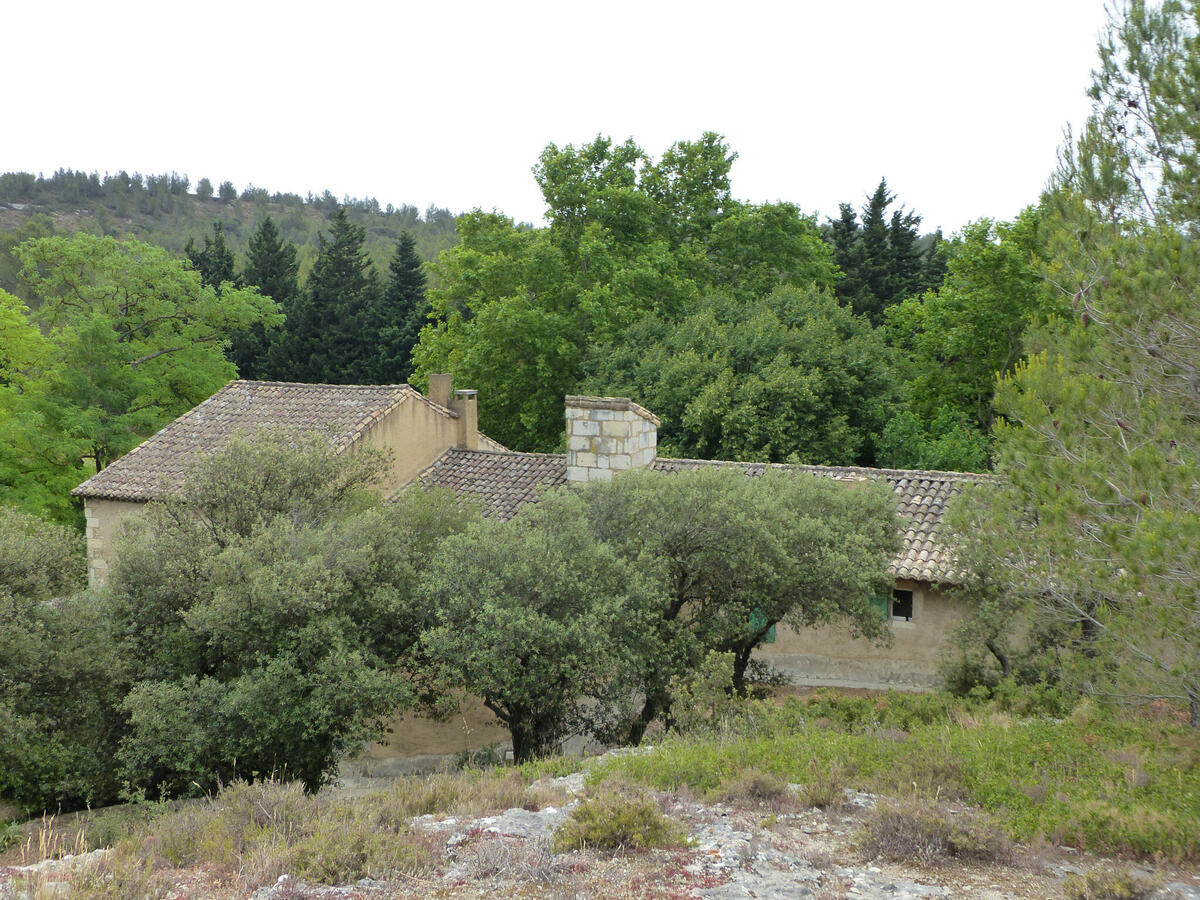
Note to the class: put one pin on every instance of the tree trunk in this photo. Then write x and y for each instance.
(650, 711)
(741, 659)
(1001, 657)
(1194, 707)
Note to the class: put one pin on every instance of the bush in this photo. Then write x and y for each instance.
(763, 788)
(618, 818)
(930, 834)
(1108, 883)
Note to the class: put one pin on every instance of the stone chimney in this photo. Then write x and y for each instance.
(606, 435)
(462, 403)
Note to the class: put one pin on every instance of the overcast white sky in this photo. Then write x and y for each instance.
(961, 104)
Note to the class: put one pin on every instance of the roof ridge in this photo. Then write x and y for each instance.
(340, 387)
(507, 452)
(933, 473)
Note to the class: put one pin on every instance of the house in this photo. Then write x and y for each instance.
(609, 434)
(435, 441)
(415, 430)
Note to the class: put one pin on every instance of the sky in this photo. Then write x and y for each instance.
(960, 104)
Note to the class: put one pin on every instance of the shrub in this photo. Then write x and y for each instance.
(618, 818)
(904, 832)
(762, 788)
(1108, 883)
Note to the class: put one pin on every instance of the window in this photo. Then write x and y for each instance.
(902, 605)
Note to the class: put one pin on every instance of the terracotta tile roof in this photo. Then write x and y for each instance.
(159, 465)
(922, 499)
(503, 481)
(506, 481)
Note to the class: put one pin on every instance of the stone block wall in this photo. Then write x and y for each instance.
(606, 435)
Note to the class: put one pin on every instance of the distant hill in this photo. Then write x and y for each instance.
(167, 210)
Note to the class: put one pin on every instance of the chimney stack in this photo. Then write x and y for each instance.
(606, 435)
(462, 403)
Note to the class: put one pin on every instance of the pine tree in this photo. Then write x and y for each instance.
(331, 335)
(215, 261)
(403, 312)
(876, 256)
(272, 268)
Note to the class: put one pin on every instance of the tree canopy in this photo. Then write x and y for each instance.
(118, 339)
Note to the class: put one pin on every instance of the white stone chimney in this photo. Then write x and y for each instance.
(606, 435)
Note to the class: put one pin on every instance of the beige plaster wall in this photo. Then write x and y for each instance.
(103, 520)
(413, 743)
(829, 656)
(415, 434)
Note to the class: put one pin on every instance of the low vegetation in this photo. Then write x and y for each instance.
(1093, 780)
(618, 817)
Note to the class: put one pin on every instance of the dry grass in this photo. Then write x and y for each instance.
(754, 788)
(931, 833)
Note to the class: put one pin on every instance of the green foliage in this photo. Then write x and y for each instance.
(215, 261)
(540, 620)
(403, 312)
(120, 205)
(955, 341)
(329, 338)
(131, 340)
(1097, 526)
(10, 833)
(272, 268)
(882, 260)
(265, 615)
(735, 555)
(1092, 780)
(523, 314)
(701, 700)
(617, 818)
(788, 376)
(57, 671)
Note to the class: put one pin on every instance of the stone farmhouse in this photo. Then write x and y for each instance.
(435, 441)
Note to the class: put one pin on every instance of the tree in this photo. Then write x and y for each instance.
(215, 261)
(524, 315)
(329, 338)
(403, 312)
(135, 340)
(271, 267)
(227, 192)
(58, 672)
(733, 556)
(883, 259)
(1099, 437)
(204, 189)
(267, 613)
(540, 620)
(954, 342)
(790, 375)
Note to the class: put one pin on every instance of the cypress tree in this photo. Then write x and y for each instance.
(331, 335)
(272, 268)
(215, 261)
(402, 313)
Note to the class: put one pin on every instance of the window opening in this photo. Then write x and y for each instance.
(902, 605)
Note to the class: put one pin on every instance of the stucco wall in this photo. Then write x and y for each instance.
(829, 656)
(103, 520)
(416, 434)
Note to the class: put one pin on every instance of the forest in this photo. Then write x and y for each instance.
(1060, 350)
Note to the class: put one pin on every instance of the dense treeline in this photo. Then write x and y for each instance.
(168, 210)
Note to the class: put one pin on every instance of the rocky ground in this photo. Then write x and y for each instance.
(735, 852)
